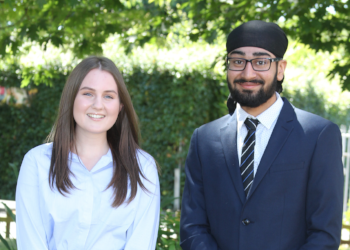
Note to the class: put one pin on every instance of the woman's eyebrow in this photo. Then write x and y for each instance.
(87, 88)
(111, 91)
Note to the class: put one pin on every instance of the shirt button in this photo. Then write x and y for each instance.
(245, 222)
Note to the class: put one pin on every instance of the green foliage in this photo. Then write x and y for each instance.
(317, 103)
(7, 244)
(84, 25)
(307, 87)
(169, 231)
(24, 126)
(170, 106)
(9, 211)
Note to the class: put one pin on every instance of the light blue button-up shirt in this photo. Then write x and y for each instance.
(84, 219)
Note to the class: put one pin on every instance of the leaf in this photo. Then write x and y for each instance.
(9, 2)
(165, 202)
(57, 41)
(3, 43)
(32, 32)
(15, 169)
(25, 81)
(5, 242)
(14, 47)
(73, 2)
(41, 3)
(9, 211)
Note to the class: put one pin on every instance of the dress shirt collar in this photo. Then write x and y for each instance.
(266, 118)
(103, 162)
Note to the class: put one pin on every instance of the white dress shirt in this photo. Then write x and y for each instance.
(267, 122)
(84, 219)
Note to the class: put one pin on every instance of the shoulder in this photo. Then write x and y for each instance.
(308, 123)
(304, 116)
(216, 125)
(149, 170)
(40, 152)
(35, 165)
(314, 123)
(146, 162)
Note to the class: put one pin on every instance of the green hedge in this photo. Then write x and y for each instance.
(24, 127)
(170, 105)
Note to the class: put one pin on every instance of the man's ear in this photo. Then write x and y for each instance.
(280, 69)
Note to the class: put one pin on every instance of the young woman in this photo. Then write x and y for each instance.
(92, 187)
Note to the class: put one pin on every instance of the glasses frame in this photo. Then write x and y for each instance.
(246, 61)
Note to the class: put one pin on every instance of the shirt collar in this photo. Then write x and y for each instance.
(105, 159)
(266, 118)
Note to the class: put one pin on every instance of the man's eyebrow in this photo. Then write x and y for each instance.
(261, 54)
(239, 52)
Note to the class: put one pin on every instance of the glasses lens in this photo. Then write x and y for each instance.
(261, 64)
(236, 63)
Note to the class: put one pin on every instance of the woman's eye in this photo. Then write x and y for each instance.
(109, 97)
(87, 94)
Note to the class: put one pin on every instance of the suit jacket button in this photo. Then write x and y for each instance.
(245, 222)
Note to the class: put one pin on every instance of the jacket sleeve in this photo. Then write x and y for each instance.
(29, 224)
(325, 192)
(194, 225)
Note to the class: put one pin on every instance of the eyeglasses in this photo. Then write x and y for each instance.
(258, 64)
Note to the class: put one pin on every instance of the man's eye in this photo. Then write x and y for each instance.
(237, 62)
(261, 62)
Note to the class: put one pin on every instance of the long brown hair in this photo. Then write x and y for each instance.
(123, 137)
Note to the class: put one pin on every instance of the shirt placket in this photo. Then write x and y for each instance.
(86, 211)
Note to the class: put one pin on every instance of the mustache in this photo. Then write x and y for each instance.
(244, 80)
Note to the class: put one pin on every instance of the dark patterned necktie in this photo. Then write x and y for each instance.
(247, 157)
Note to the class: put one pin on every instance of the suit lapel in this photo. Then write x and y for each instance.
(281, 132)
(228, 136)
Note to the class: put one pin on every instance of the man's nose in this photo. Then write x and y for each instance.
(249, 73)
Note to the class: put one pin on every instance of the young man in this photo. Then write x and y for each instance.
(268, 176)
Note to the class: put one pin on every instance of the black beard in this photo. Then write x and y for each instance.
(246, 98)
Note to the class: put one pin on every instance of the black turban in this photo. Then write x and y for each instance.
(259, 34)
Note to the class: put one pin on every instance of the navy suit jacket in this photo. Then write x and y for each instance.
(296, 199)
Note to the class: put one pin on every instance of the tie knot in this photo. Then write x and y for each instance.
(251, 124)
